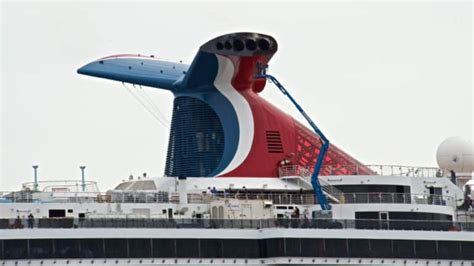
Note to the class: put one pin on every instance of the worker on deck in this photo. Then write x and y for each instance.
(31, 220)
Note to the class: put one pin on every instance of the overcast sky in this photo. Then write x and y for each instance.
(386, 82)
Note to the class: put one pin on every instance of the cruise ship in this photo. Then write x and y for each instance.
(244, 183)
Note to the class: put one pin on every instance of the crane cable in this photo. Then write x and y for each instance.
(159, 117)
(155, 108)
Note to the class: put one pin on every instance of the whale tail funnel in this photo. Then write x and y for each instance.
(221, 126)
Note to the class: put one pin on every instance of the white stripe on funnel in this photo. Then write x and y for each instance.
(242, 109)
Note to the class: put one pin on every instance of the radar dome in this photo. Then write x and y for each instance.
(456, 153)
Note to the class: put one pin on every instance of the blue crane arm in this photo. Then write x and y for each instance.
(323, 201)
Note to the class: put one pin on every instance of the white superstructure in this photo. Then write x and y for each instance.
(399, 205)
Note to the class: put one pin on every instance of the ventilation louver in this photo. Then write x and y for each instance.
(274, 144)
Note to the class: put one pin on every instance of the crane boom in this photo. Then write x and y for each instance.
(318, 192)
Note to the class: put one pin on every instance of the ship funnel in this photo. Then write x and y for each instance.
(221, 125)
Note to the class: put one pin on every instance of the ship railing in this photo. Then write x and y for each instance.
(87, 197)
(61, 186)
(395, 198)
(279, 199)
(294, 198)
(288, 171)
(410, 171)
(290, 223)
(293, 170)
(343, 198)
(348, 170)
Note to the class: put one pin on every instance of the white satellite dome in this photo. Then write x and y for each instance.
(456, 153)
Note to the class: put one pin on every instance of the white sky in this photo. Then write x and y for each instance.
(386, 82)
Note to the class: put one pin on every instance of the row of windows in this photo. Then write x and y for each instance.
(411, 216)
(373, 188)
(234, 248)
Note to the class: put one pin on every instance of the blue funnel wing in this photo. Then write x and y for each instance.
(201, 73)
(136, 69)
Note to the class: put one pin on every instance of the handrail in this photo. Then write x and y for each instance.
(70, 185)
(194, 223)
(382, 170)
(395, 198)
(305, 173)
(410, 171)
(294, 198)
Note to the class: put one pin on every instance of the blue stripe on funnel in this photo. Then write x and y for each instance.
(220, 104)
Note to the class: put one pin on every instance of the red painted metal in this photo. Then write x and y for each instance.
(300, 145)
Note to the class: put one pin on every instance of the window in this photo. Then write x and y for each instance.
(4, 223)
(420, 216)
(57, 213)
(164, 248)
(381, 248)
(312, 247)
(403, 249)
(449, 250)
(375, 189)
(367, 220)
(187, 248)
(359, 248)
(15, 249)
(241, 248)
(292, 247)
(139, 248)
(336, 247)
(425, 249)
(211, 248)
(274, 247)
(41, 248)
(467, 250)
(91, 248)
(66, 248)
(115, 248)
(235, 248)
(404, 221)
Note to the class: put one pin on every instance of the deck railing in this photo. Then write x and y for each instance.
(47, 223)
(62, 186)
(299, 171)
(382, 170)
(401, 170)
(294, 198)
(395, 198)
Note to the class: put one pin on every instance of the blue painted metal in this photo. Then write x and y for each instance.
(196, 142)
(137, 70)
(323, 201)
(194, 91)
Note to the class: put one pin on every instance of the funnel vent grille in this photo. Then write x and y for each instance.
(196, 141)
(274, 144)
